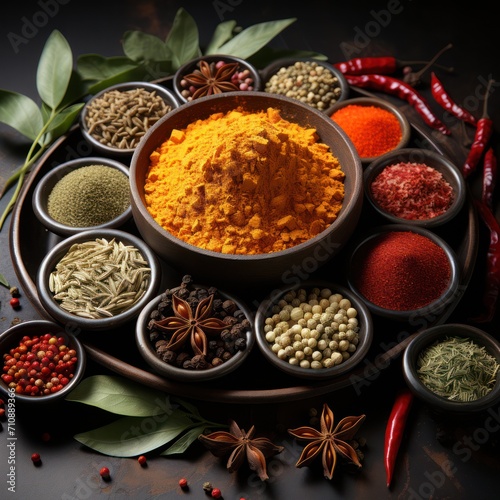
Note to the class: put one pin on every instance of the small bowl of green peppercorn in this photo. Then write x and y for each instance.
(81, 194)
(316, 83)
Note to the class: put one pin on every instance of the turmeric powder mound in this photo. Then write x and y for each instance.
(244, 183)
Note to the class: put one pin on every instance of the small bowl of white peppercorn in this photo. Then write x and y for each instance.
(114, 120)
(316, 83)
(314, 330)
(81, 194)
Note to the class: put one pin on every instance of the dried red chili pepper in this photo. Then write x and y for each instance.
(395, 429)
(489, 176)
(492, 289)
(445, 101)
(403, 90)
(484, 131)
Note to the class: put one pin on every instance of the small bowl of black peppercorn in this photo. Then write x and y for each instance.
(194, 333)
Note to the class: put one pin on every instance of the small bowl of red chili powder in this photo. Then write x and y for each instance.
(404, 272)
(375, 126)
(415, 186)
(41, 362)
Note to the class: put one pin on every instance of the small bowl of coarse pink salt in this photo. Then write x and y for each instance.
(414, 186)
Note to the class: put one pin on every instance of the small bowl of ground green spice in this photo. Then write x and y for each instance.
(375, 126)
(454, 368)
(313, 82)
(114, 120)
(415, 186)
(98, 280)
(86, 193)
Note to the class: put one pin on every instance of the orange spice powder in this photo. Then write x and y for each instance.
(244, 183)
(373, 130)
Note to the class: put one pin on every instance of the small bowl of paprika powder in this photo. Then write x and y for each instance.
(375, 126)
(53, 359)
(415, 186)
(404, 272)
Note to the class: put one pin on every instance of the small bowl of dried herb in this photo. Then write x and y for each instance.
(415, 186)
(454, 368)
(81, 194)
(315, 330)
(41, 362)
(194, 333)
(316, 83)
(114, 120)
(214, 74)
(98, 280)
(375, 126)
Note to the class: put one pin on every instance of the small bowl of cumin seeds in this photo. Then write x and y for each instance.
(115, 119)
(98, 280)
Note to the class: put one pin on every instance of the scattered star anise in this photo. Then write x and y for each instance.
(239, 444)
(329, 441)
(186, 325)
(210, 79)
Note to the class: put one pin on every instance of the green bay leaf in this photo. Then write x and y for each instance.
(184, 442)
(121, 396)
(21, 113)
(183, 39)
(63, 121)
(3, 281)
(54, 69)
(132, 436)
(140, 47)
(253, 38)
(222, 33)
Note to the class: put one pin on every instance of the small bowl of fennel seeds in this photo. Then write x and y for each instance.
(115, 119)
(454, 368)
(98, 280)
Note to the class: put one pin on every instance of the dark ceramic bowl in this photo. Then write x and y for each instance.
(44, 188)
(450, 294)
(170, 371)
(365, 333)
(123, 154)
(227, 270)
(443, 165)
(440, 404)
(49, 262)
(192, 65)
(340, 87)
(383, 104)
(11, 338)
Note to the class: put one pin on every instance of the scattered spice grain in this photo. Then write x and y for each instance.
(412, 191)
(100, 278)
(373, 130)
(458, 369)
(392, 270)
(89, 196)
(244, 183)
(120, 118)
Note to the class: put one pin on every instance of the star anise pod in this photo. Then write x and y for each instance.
(210, 80)
(329, 441)
(239, 444)
(186, 325)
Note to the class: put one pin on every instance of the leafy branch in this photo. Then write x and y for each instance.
(150, 419)
(146, 58)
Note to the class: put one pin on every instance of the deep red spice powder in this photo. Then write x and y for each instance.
(412, 191)
(402, 271)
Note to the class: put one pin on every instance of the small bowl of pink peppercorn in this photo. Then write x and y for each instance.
(214, 74)
(53, 362)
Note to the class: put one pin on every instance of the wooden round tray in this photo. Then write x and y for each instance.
(256, 381)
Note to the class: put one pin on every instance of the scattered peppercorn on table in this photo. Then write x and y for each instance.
(275, 439)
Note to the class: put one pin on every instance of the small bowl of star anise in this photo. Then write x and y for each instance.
(194, 333)
(214, 74)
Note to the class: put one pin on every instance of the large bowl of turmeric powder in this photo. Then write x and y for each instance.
(246, 188)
